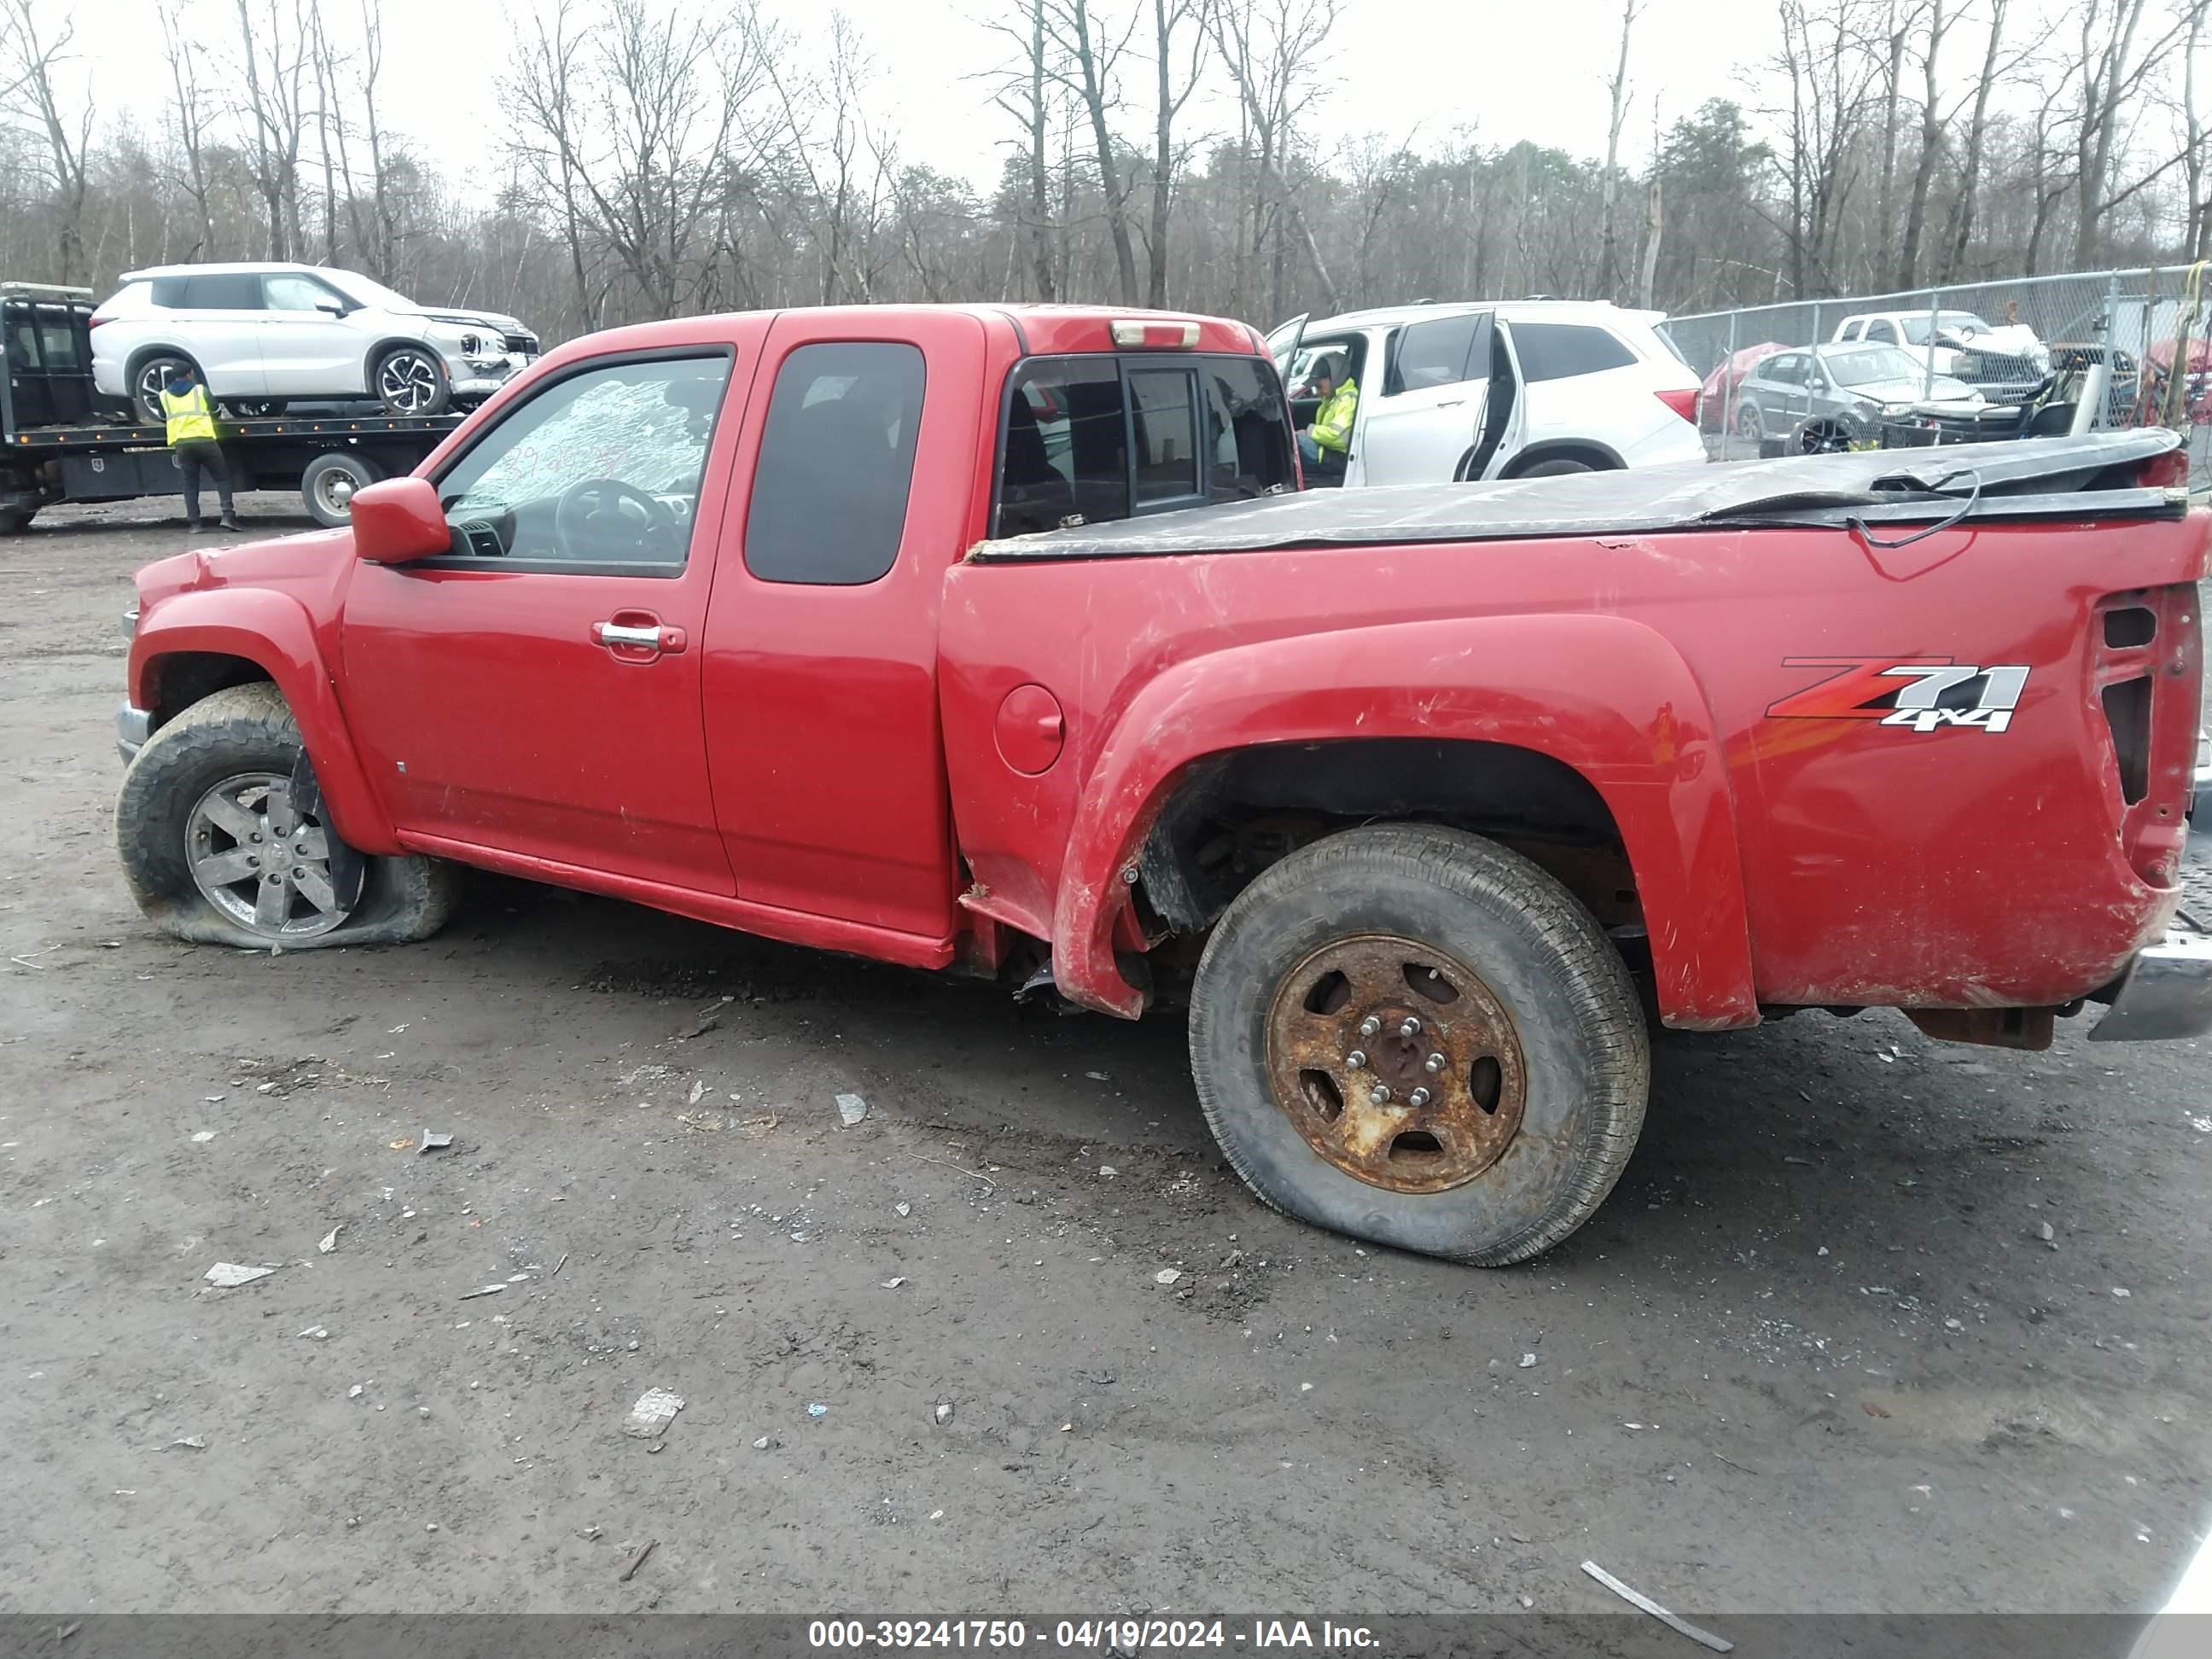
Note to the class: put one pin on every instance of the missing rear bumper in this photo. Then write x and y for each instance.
(2165, 993)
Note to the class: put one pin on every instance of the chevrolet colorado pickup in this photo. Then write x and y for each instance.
(997, 639)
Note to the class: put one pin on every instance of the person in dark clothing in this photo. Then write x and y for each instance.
(190, 418)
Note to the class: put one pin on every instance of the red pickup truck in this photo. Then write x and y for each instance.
(997, 639)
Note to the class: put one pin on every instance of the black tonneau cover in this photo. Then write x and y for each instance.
(2038, 477)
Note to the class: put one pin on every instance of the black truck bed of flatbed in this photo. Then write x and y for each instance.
(90, 440)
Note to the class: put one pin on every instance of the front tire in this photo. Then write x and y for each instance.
(214, 852)
(412, 380)
(1511, 1104)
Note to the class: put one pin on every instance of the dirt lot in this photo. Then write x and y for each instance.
(1813, 1355)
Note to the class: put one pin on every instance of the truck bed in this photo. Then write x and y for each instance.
(2067, 478)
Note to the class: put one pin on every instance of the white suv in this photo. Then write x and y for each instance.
(265, 335)
(1515, 390)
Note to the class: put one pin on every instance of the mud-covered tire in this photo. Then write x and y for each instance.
(15, 521)
(248, 728)
(1572, 1005)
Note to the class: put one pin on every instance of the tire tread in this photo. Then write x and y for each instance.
(1595, 984)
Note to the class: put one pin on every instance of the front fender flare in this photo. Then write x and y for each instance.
(275, 632)
(1609, 697)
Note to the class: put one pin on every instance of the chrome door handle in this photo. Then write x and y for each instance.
(607, 633)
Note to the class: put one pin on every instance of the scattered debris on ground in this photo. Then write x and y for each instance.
(229, 1275)
(1636, 1598)
(655, 1410)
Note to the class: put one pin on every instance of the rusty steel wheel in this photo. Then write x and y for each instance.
(1396, 1062)
(1408, 1034)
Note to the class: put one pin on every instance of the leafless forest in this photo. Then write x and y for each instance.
(657, 157)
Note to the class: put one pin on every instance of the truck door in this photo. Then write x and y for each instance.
(1419, 422)
(855, 494)
(536, 690)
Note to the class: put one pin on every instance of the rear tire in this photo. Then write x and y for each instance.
(1554, 468)
(328, 484)
(15, 521)
(1533, 969)
(247, 730)
(147, 380)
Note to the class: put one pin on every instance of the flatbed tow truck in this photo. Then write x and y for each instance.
(55, 446)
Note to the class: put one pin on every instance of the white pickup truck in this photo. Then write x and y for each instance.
(1940, 336)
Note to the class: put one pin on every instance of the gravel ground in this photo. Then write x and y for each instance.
(1813, 1355)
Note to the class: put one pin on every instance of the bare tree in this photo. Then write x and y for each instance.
(1272, 49)
(2198, 237)
(1172, 91)
(1895, 27)
(1828, 77)
(274, 56)
(184, 113)
(1089, 56)
(379, 247)
(1022, 95)
(66, 138)
(1960, 229)
(1655, 222)
(546, 139)
(1937, 24)
(1610, 258)
(2108, 73)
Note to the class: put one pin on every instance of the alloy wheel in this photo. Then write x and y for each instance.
(260, 861)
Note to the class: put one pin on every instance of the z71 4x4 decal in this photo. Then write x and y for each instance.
(1923, 694)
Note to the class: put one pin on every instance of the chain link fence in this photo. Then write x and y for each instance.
(2027, 357)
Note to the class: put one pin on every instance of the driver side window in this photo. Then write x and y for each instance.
(602, 468)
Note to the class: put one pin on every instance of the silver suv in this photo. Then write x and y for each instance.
(263, 336)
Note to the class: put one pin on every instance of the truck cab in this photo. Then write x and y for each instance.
(685, 578)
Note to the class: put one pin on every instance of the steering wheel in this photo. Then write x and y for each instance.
(607, 516)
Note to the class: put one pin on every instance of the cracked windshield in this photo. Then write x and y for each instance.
(644, 424)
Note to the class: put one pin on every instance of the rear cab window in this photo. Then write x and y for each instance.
(1092, 439)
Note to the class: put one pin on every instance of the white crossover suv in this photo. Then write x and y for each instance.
(1511, 390)
(263, 336)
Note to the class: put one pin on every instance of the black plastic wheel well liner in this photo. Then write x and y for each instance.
(186, 676)
(1492, 789)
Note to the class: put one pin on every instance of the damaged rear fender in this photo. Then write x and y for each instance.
(1609, 697)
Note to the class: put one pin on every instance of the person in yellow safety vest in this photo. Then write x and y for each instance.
(192, 434)
(1327, 441)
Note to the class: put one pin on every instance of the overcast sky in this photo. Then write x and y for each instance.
(1410, 70)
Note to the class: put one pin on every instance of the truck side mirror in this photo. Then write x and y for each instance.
(399, 521)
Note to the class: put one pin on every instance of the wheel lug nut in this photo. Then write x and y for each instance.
(1418, 1099)
(1371, 1027)
(1433, 1064)
(1380, 1094)
(255, 838)
(1356, 1059)
(1412, 1028)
